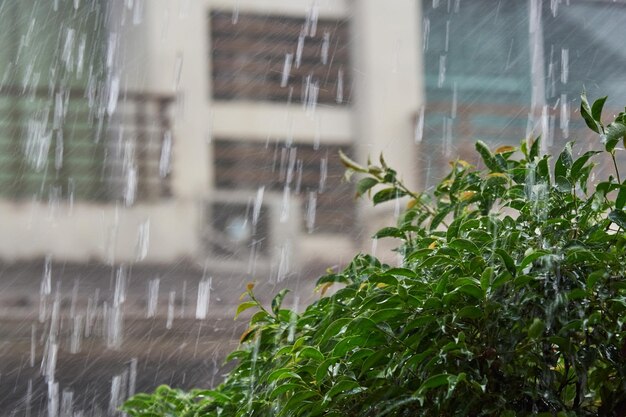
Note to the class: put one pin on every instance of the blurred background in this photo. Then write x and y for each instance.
(156, 156)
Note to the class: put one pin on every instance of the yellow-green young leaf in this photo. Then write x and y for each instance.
(244, 306)
(350, 164)
(505, 149)
(536, 328)
(488, 158)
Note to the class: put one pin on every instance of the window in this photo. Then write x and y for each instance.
(278, 58)
(67, 129)
(312, 175)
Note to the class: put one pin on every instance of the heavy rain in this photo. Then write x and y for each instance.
(157, 157)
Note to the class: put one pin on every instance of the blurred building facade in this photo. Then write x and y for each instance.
(206, 131)
(156, 155)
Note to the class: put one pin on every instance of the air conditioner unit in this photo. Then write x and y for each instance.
(255, 232)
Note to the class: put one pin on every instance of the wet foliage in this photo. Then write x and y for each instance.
(510, 300)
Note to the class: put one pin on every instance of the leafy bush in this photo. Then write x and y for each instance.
(510, 300)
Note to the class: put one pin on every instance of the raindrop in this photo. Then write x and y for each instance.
(58, 151)
(299, 49)
(33, 341)
(138, 12)
(286, 69)
(339, 96)
(111, 46)
(454, 100)
(166, 155)
(291, 165)
(77, 334)
(442, 70)
(204, 295)
(114, 90)
(53, 399)
(310, 211)
(565, 114)
(153, 296)
(132, 378)
(447, 137)
(170, 310)
(67, 403)
(426, 35)
(68, 47)
(325, 47)
(258, 202)
(143, 240)
(235, 17)
(323, 173)
(311, 18)
(285, 204)
(419, 126)
(299, 169)
(564, 65)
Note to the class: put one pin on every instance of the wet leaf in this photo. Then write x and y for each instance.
(536, 328)
(244, 306)
(364, 185)
(619, 218)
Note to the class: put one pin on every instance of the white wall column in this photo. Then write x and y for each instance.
(388, 77)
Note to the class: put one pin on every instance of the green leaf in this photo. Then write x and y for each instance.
(282, 373)
(564, 162)
(216, 395)
(244, 306)
(536, 328)
(534, 149)
(509, 263)
(341, 387)
(389, 232)
(310, 352)
(386, 279)
(433, 382)
(277, 301)
(485, 278)
(586, 113)
(464, 244)
(531, 258)
(334, 328)
(619, 218)
(472, 290)
(284, 388)
(578, 165)
(620, 200)
(387, 194)
(614, 132)
(487, 157)
(470, 312)
(350, 164)
(596, 109)
(364, 185)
